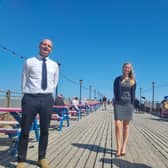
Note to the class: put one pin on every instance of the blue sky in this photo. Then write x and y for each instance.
(92, 39)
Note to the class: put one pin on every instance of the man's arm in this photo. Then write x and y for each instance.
(24, 76)
(56, 76)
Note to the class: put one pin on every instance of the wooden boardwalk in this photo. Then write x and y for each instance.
(90, 143)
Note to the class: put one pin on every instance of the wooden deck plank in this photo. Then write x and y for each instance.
(153, 124)
(85, 145)
(107, 160)
(94, 143)
(76, 145)
(90, 142)
(99, 162)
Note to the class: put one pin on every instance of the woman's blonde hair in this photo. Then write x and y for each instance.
(131, 74)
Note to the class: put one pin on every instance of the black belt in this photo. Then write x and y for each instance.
(38, 94)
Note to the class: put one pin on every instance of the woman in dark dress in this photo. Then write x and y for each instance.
(124, 96)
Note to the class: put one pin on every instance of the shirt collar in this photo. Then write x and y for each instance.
(40, 57)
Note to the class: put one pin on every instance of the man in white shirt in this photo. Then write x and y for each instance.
(39, 80)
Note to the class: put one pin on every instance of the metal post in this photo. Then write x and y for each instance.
(80, 96)
(153, 95)
(140, 99)
(56, 91)
(90, 92)
(95, 94)
(8, 97)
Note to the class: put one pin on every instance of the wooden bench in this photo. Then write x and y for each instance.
(64, 115)
(75, 113)
(84, 109)
(163, 114)
(8, 130)
(14, 130)
(94, 106)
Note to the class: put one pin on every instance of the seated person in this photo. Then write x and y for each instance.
(59, 101)
(75, 104)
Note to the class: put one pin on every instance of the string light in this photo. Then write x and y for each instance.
(157, 86)
(6, 49)
(11, 52)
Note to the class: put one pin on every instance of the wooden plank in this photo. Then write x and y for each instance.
(107, 160)
(89, 157)
(9, 122)
(90, 145)
(77, 148)
(101, 151)
(91, 142)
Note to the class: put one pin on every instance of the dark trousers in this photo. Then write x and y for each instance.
(31, 105)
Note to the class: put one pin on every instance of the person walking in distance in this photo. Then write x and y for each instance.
(39, 80)
(124, 97)
(104, 102)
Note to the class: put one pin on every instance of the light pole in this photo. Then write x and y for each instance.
(80, 96)
(56, 91)
(90, 92)
(153, 95)
(140, 98)
(95, 94)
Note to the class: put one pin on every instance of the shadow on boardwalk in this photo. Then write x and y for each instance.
(124, 163)
(7, 159)
(94, 148)
(116, 162)
(9, 163)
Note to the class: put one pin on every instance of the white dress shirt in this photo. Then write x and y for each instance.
(32, 75)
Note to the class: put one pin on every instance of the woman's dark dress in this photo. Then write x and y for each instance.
(123, 108)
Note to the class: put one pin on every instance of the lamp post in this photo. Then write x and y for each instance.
(95, 93)
(140, 99)
(153, 95)
(90, 92)
(80, 96)
(144, 102)
(56, 91)
(8, 98)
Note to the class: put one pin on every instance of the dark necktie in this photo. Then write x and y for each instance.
(44, 75)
